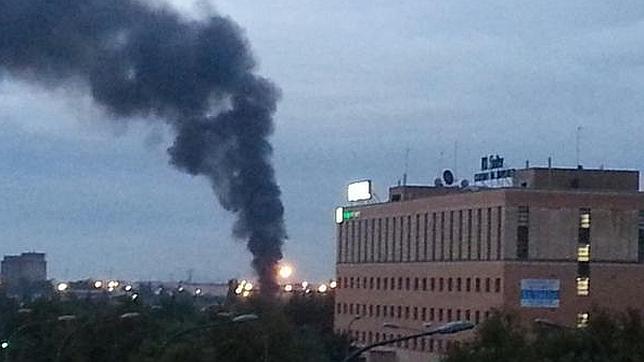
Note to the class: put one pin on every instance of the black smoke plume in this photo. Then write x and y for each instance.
(198, 76)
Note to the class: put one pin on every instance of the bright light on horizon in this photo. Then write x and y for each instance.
(61, 287)
(285, 271)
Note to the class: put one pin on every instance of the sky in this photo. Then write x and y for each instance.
(362, 82)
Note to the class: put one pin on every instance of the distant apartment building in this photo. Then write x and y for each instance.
(543, 242)
(18, 271)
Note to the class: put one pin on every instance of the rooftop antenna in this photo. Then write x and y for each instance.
(578, 145)
(456, 157)
(404, 182)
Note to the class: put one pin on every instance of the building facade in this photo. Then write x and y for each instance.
(23, 274)
(554, 245)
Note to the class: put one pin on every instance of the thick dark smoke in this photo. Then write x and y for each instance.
(198, 76)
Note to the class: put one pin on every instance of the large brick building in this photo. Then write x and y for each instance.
(553, 245)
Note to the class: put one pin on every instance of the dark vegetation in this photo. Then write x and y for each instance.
(170, 328)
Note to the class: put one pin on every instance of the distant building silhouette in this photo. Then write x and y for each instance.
(23, 275)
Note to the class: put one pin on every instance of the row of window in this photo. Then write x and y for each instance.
(432, 284)
(421, 314)
(470, 234)
(430, 345)
(583, 253)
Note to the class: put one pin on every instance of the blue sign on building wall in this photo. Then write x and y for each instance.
(540, 293)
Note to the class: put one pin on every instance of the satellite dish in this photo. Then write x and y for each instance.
(464, 183)
(448, 177)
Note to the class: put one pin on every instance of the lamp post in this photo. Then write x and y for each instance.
(6, 345)
(449, 328)
(355, 318)
(391, 325)
(67, 340)
(238, 319)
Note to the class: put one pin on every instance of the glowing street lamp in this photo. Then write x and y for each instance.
(333, 284)
(288, 288)
(322, 288)
(98, 284)
(61, 287)
(4, 345)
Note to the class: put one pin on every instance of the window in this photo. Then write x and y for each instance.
(432, 284)
(379, 254)
(458, 284)
(432, 315)
(468, 315)
(499, 228)
(442, 249)
(640, 243)
(583, 252)
(449, 315)
(417, 238)
(424, 284)
(468, 285)
(385, 281)
(583, 286)
(407, 286)
(399, 312)
(440, 284)
(415, 283)
(378, 283)
(440, 314)
(449, 284)
(584, 218)
(423, 314)
(408, 256)
(406, 312)
(523, 247)
(487, 285)
(479, 227)
(582, 320)
(497, 285)
(433, 236)
(386, 241)
(400, 283)
(477, 285)
(460, 234)
(371, 283)
(523, 221)
(469, 234)
(415, 313)
(377, 310)
(489, 233)
(477, 317)
(451, 235)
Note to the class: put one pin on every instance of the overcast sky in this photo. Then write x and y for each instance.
(362, 81)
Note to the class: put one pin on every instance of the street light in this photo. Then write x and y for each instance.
(449, 328)
(391, 325)
(238, 319)
(61, 287)
(355, 318)
(4, 345)
(67, 340)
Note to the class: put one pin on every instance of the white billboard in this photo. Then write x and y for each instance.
(359, 191)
